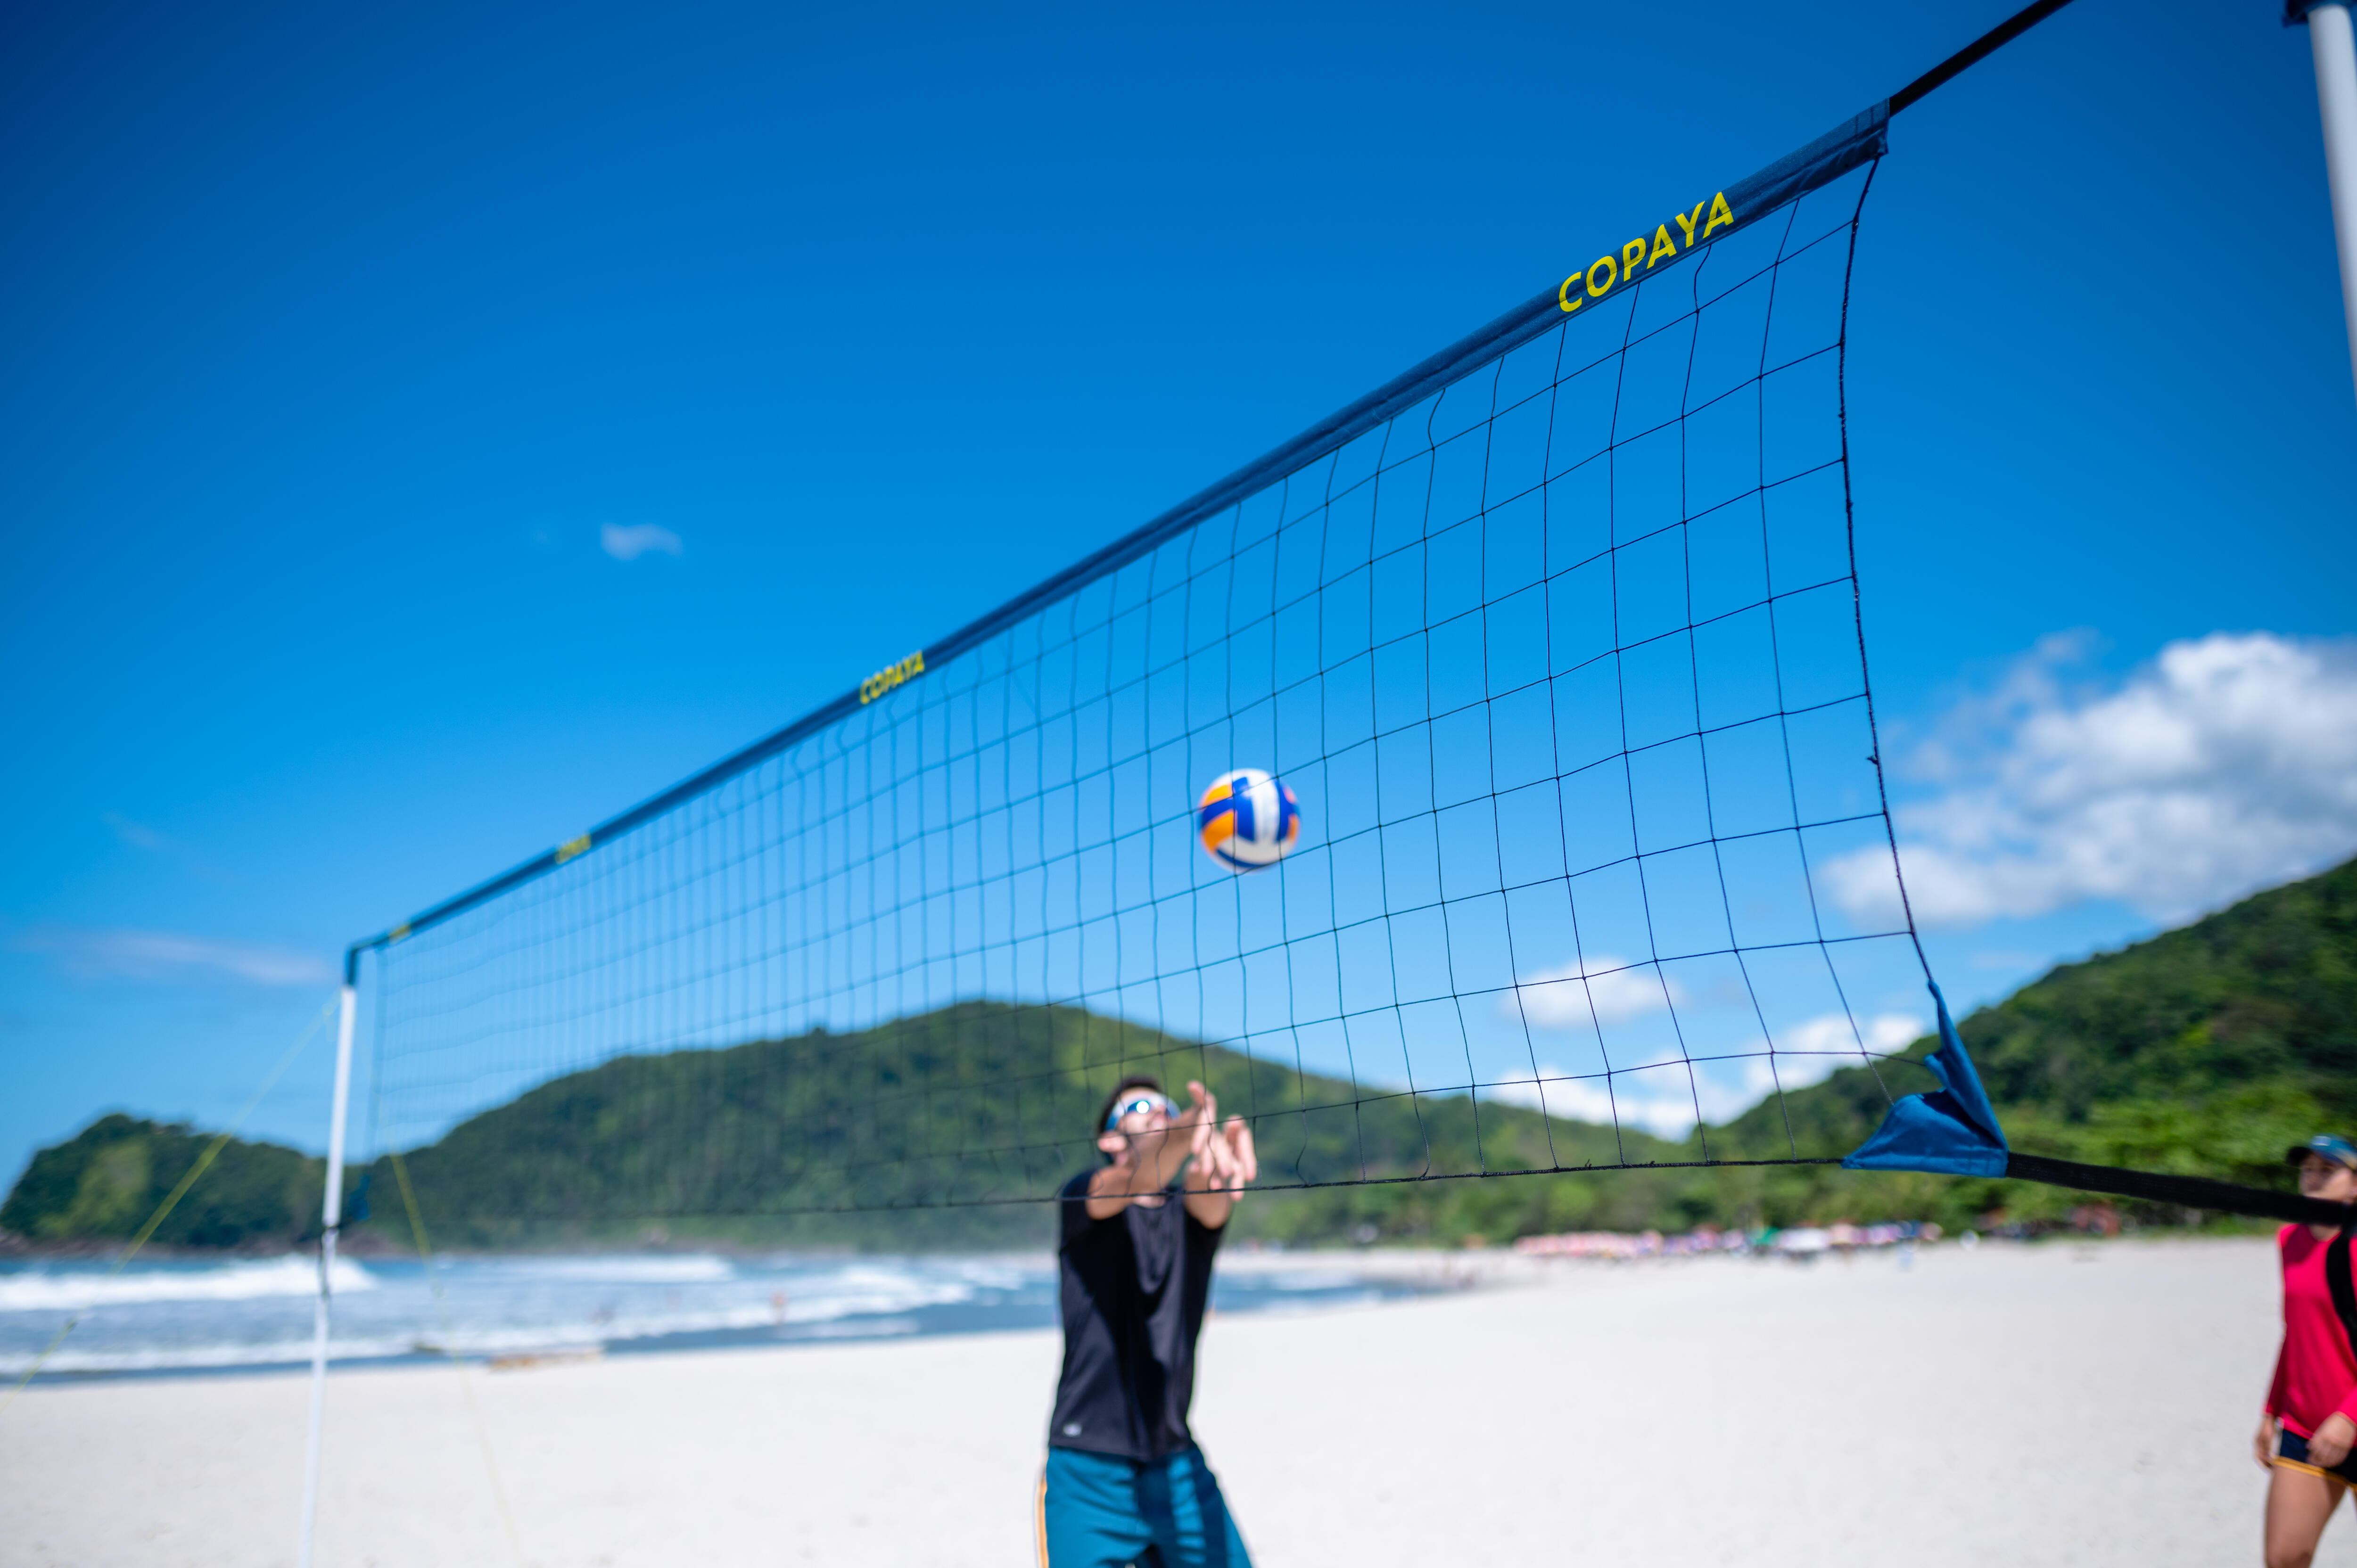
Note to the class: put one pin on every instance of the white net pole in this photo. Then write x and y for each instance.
(2328, 36)
(332, 1215)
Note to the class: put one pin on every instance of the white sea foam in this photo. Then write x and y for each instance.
(856, 1301)
(697, 1268)
(859, 1290)
(875, 1329)
(1304, 1280)
(200, 1358)
(56, 1290)
(1328, 1299)
(174, 1316)
(514, 1338)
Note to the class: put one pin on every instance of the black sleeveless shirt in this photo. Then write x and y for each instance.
(1133, 1291)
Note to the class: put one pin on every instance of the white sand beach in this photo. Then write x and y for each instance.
(2053, 1405)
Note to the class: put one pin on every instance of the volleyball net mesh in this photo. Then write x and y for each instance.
(1563, 661)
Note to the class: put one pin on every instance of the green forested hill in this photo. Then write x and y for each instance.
(106, 1181)
(2206, 1050)
(987, 1102)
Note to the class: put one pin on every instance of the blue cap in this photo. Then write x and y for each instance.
(2340, 1151)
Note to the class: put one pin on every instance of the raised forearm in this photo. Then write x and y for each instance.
(1210, 1209)
(1116, 1187)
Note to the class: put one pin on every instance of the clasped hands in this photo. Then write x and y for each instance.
(1223, 1158)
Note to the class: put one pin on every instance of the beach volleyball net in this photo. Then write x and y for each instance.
(1555, 642)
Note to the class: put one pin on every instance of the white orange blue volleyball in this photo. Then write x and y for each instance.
(1248, 820)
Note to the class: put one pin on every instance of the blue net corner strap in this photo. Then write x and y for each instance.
(1929, 1133)
(1953, 1131)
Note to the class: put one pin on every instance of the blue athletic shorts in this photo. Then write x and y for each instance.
(2291, 1451)
(1098, 1512)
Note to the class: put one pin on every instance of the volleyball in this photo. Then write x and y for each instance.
(1248, 820)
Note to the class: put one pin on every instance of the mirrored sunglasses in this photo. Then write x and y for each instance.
(1138, 1106)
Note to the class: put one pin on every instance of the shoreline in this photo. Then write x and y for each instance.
(230, 1317)
(1270, 1275)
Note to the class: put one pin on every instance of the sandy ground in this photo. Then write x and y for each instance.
(2055, 1404)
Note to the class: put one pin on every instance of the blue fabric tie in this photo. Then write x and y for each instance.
(1951, 1130)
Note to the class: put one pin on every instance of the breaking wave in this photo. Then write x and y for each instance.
(41, 1289)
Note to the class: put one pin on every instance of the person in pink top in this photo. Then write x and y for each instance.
(2310, 1425)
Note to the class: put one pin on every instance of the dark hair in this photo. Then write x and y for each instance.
(1135, 1081)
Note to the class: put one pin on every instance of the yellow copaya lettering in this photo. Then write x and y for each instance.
(1687, 221)
(1563, 295)
(1665, 249)
(1631, 254)
(1609, 269)
(1720, 216)
(891, 675)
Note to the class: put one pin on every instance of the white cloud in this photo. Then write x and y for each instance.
(1663, 1103)
(1618, 991)
(629, 542)
(140, 836)
(2227, 765)
(1814, 1048)
(1588, 1099)
(167, 955)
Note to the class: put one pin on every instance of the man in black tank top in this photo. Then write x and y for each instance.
(1125, 1481)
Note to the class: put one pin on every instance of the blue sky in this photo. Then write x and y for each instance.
(342, 347)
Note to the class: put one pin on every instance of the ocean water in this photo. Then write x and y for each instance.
(180, 1317)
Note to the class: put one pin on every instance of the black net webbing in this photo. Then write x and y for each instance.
(1563, 665)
